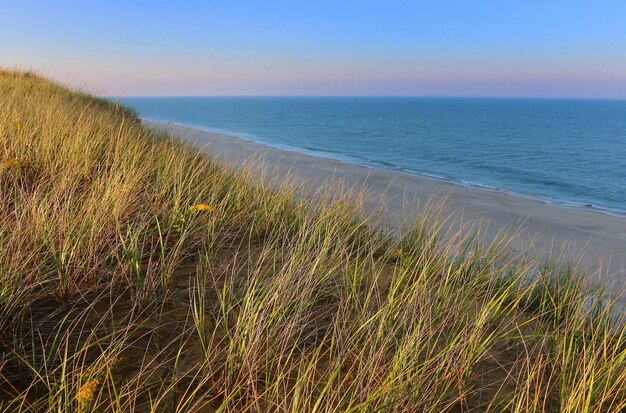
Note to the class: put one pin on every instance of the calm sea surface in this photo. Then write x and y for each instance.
(571, 152)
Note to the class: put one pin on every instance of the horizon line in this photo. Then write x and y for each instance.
(370, 96)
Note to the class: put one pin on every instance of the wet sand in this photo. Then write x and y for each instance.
(593, 240)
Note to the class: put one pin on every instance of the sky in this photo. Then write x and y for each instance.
(548, 48)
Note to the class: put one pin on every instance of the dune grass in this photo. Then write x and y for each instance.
(139, 275)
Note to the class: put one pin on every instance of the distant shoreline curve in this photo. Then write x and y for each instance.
(560, 203)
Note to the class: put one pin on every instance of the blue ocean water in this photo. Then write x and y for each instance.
(571, 152)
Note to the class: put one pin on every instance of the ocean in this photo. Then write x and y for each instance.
(567, 152)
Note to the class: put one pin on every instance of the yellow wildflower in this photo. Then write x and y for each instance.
(9, 164)
(203, 207)
(87, 391)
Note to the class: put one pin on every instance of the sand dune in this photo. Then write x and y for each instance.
(593, 240)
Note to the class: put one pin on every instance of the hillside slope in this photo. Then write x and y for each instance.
(136, 274)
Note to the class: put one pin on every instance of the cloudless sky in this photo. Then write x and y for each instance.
(530, 48)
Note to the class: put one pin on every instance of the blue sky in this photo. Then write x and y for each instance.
(549, 48)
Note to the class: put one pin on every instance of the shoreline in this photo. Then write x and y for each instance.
(560, 203)
(594, 238)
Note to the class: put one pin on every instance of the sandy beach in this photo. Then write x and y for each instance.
(594, 240)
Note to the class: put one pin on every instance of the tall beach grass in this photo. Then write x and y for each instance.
(139, 275)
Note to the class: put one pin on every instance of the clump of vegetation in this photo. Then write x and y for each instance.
(137, 274)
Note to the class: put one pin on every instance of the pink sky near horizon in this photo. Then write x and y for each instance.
(435, 77)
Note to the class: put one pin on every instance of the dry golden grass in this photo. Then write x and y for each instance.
(138, 275)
